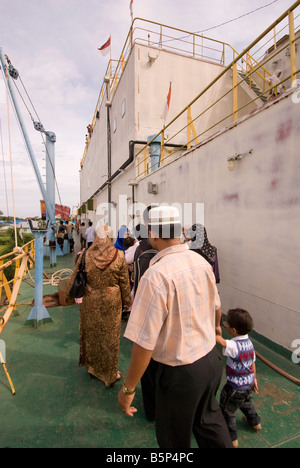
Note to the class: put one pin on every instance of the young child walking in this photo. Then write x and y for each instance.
(240, 372)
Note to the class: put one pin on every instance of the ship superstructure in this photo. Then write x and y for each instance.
(187, 120)
(227, 152)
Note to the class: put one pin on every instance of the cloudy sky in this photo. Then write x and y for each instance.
(54, 45)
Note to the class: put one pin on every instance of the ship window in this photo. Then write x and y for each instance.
(123, 108)
(115, 125)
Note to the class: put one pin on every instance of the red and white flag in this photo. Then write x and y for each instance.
(167, 104)
(131, 9)
(105, 49)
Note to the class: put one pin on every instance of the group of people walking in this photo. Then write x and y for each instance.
(87, 234)
(170, 289)
(65, 232)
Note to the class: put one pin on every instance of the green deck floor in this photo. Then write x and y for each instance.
(57, 404)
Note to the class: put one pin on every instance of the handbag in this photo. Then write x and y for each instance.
(78, 287)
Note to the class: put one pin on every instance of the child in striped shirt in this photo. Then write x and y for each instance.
(240, 372)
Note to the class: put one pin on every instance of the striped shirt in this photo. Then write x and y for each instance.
(240, 358)
(174, 309)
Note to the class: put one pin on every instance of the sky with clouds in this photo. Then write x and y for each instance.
(54, 45)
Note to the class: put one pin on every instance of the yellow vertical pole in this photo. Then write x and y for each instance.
(31, 253)
(162, 148)
(160, 37)
(292, 47)
(115, 81)
(17, 268)
(189, 130)
(249, 68)
(145, 160)
(1, 278)
(223, 55)
(234, 92)
(131, 38)
(14, 295)
(3, 281)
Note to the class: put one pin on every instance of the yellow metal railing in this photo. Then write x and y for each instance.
(159, 36)
(180, 41)
(246, 71)
(245, 68)
(23, 259)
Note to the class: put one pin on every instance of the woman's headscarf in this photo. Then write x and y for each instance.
(200, 243)
(120, 239)
(102, 252)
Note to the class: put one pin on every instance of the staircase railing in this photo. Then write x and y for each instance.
(203, 124)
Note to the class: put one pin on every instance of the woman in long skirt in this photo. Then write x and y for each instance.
(107, 293)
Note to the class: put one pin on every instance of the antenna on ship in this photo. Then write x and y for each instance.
(39, 313)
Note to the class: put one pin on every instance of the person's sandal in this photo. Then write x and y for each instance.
(255, 428)
(119, 377)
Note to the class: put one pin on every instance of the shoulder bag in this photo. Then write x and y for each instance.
(78, 287)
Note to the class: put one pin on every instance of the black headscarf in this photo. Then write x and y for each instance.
(200, 243)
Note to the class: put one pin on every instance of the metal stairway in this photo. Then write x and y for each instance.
(258, 91)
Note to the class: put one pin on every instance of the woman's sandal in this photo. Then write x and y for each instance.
(119, 377)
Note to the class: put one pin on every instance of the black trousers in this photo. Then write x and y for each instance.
(148, 389)
(232, 400)
(185, 403)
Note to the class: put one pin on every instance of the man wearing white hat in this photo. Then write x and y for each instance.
(174, 319)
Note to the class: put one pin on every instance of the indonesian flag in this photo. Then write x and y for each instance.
(131, 9)
(105, 49)
(167, 105)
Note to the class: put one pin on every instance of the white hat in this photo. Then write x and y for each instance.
(163, 215)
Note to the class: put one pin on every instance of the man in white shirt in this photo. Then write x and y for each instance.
(90, 234)
(174, 319)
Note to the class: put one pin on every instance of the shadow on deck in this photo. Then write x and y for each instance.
(57, 404)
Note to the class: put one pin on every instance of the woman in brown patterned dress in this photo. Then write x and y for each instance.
(107, 293)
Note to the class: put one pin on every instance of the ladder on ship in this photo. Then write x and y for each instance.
(253, 86)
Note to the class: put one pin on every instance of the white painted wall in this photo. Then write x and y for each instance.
(144, 86)
(252, 215)
(188, 77)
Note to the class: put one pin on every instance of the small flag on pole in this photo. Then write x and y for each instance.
(167, 105)
(105, 49)
(131, 9)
